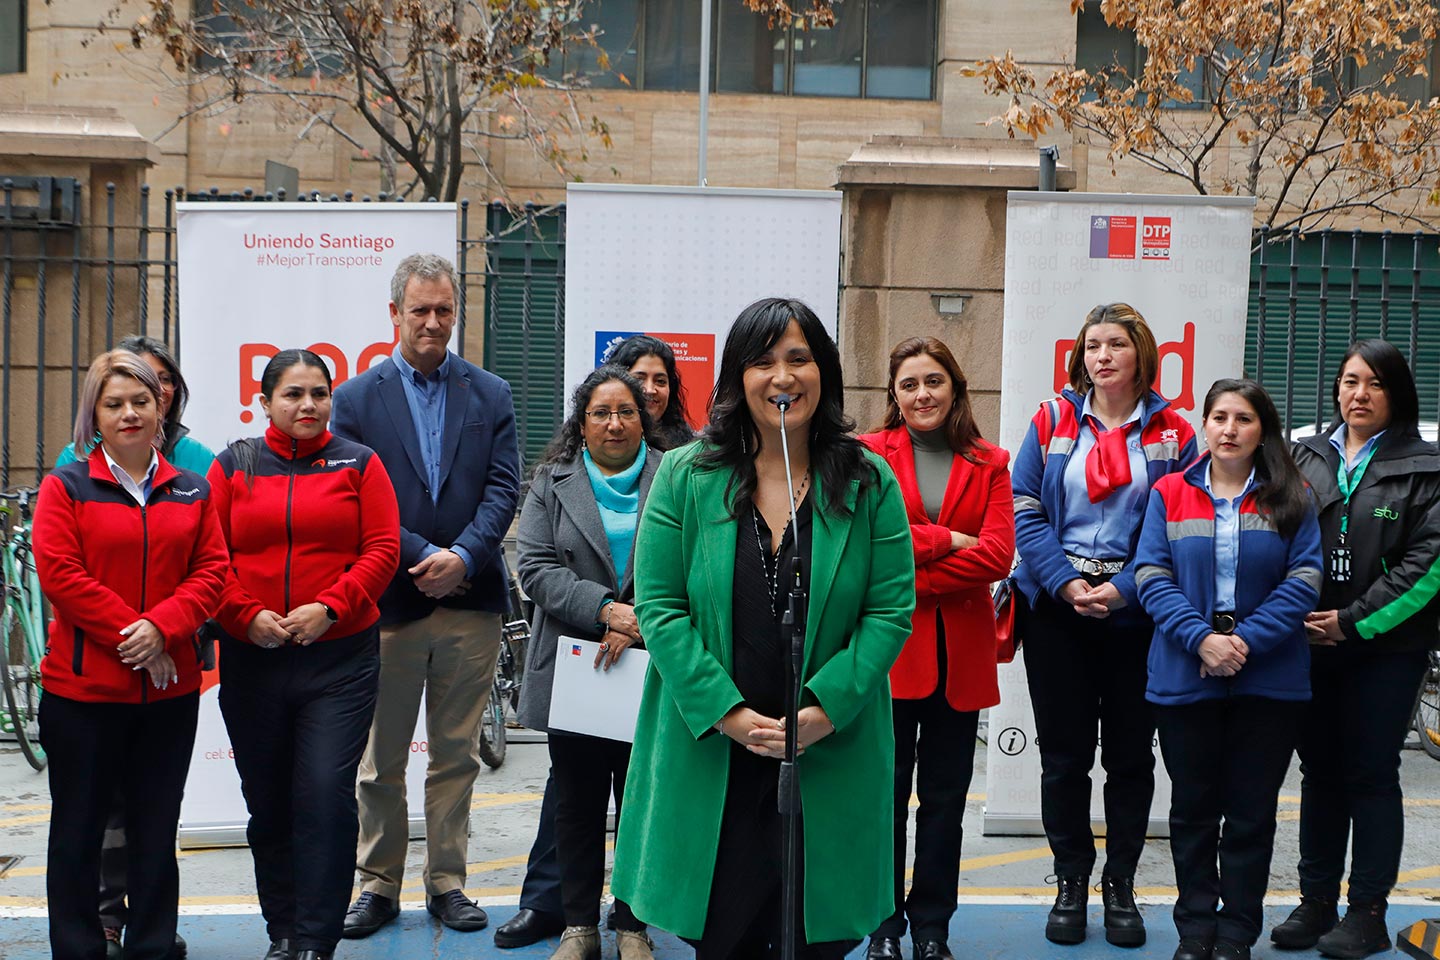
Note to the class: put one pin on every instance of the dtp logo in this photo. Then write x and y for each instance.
(1155, 239)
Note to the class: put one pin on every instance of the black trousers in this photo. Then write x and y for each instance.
(585, 770)
(145, 749)
(113, 866)
(298, 719)
(1350, 769)
(1087, 675)
(1227, 760)
(541, 890)
(934, 748)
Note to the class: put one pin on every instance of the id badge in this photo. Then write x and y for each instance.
(1340, 565)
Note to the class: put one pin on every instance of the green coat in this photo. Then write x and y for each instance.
(862, 592)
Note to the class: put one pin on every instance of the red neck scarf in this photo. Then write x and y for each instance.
(1107, 467)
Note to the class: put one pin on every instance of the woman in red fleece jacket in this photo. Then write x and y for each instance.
(314, 535)
(130, 554)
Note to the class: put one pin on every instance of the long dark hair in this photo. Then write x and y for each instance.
(157, 349)
(247, 451)
(673, 428)
(1282, 494)
(731, 438)
(961, 431)
(1394, 374)
(565, 446)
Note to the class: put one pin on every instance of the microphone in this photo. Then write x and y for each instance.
(783, 401)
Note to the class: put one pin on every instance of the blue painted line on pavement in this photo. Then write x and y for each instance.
(977, 932)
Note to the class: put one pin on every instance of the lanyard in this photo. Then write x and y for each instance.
(1348, 481)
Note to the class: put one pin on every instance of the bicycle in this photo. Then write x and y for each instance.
(22, 628)
(1427, 708)
(509, 671)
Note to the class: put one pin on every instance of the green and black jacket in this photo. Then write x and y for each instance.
(1390, 601)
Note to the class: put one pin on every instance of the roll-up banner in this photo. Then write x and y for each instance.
(256, 279)
(1184, 263)
(679, 263)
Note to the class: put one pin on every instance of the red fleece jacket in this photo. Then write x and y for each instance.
(314, 520)
(104, 562)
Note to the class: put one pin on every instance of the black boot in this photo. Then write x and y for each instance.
(1194, 948)
(280, 950)
(1124, 927)
(1307, 923)
(1066, 923)
(1361, 933)
(1230, 950)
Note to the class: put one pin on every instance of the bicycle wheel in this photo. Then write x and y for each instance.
(21, 677)
(492, 729)
(1427, 710)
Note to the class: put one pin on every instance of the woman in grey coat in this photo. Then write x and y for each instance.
(576, 541)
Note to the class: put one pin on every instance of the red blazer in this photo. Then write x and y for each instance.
(977, 502)
(105, 562)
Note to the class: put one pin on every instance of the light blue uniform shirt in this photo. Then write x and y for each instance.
(1227, 540)
(426, 397)
(1337, 440)
(139, 492)
(1104, 530)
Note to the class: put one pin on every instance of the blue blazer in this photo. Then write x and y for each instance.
(479, 477)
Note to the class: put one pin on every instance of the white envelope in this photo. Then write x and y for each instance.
(601, 703)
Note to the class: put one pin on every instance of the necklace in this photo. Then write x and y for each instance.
(772, 573)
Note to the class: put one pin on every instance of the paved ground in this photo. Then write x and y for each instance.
(1003, 891)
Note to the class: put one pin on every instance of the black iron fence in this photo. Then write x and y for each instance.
(69, 290)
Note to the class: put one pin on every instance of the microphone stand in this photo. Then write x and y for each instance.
(789, 787)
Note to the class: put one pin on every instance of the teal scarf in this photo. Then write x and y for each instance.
(618, 498)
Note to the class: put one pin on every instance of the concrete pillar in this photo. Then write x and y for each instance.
(923, 254)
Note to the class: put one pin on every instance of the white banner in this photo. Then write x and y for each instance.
(256, 279)
(1184, 263)
(680, 263)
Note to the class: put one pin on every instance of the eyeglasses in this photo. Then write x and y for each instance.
(601, 416)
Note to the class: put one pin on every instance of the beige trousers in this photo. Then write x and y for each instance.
(450, 657)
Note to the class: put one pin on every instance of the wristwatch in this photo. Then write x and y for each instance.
(330, 612)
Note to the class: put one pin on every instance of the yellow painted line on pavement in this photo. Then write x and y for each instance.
(1001, 859)
(19, 821)
(25, 872)
(483, 800)
(1409, 801)
(17, 807)
(1421, 873)
(484, 866)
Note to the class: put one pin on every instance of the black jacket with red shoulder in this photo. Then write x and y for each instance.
(312, 520)
(105, 561)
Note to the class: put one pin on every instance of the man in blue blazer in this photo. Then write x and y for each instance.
(445, 430)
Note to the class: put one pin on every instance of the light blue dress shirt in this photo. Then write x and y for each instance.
(426, 398)
(139, 492)
(1103, 531)
(1227, 540)
(1337, 440)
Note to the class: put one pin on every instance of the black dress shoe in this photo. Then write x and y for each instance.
(1230, 950)
(280, 950)
(884, 948)
(1124, 927)
(314, 955)
(527, 927)
(1193, 948)
(457, 911)
(1066, 923)
(180, 949)
(368, 913)
(933, 950)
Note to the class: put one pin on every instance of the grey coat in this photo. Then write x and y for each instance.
(566, 569)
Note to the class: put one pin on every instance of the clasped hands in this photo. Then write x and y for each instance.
(765, 736)
(440, 575)
(1222, 655)
(303, 625)
(1322, 628)
(1088, 601)
(144, 649)
(622, 632)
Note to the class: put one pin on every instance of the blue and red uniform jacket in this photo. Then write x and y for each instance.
(316, 521)
(105, 561)
(1277, 582)
(1038, 478)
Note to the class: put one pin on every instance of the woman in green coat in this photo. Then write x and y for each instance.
(698, 849)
